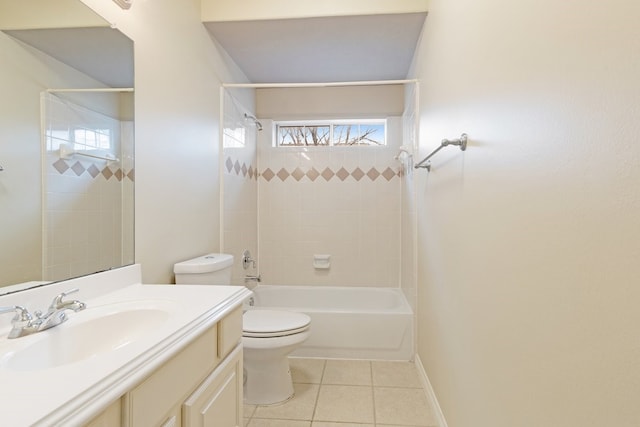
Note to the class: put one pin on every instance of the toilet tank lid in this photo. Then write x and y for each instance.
(204, 264)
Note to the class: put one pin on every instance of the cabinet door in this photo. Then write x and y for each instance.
(152, 403)
(110, 417)
(218, 400)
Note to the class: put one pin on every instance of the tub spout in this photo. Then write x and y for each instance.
(250, 278)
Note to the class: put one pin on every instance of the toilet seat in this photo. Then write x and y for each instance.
(272, 323)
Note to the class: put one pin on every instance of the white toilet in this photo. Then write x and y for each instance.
(268, 336)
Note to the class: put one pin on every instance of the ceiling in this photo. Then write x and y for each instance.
(322, 49)
(102, 53)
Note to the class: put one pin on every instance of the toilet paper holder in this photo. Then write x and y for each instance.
(321, 261)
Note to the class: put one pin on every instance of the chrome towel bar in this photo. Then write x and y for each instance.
(460, 142)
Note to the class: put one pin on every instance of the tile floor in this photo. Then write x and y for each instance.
(348, 393)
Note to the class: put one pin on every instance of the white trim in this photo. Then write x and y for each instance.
(431, 395)
(221, 206)
(326, 84)
(100, 89)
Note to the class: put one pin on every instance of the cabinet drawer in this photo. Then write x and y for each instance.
(152, 401)
(218, 400)
(229, 332)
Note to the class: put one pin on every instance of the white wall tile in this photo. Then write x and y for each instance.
(357, 222)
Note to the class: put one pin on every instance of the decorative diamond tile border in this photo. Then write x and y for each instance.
(93, 170)
(268, 174)
(312, 174)
(240, 169)
(342, 174)
(283, 174)
(106, 172)
(77, 168)
(328, 174)
(389, 174)
(297, 174)
(357, 174)
(373, 174)
(62, 166)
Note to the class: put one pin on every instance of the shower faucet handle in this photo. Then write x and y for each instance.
(247, 261)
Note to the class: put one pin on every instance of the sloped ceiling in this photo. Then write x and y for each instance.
(323, 49)
(99, 52)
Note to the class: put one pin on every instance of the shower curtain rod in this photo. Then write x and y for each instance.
(327, 84)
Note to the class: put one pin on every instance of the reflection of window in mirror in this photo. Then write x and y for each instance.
(79, 126)
(92, 139)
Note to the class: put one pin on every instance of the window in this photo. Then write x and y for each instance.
(83, 128)
(331, 133)
(92, 139)
(82, 138)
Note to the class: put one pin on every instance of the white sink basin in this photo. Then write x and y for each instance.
(87, 334)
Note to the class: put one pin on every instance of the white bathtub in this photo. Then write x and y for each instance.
(347, 322)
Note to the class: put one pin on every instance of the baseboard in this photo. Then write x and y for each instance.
(431, 395)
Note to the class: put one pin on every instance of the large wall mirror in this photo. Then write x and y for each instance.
(66, 143)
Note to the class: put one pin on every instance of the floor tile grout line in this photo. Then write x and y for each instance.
(315, 405)
(321, 383)
(373, 394)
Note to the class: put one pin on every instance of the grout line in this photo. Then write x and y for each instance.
(372, 387)
(373, 394)
(315, 405)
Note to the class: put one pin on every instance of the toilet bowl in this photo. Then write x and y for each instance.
(268, 336)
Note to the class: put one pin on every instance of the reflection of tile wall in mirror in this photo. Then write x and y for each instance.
(84, 196)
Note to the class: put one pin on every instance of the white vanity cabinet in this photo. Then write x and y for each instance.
(200, 386)
(213, 403)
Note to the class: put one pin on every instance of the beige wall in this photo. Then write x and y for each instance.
(529, 241)
(330, 102)
(178, 71)
(229, 10)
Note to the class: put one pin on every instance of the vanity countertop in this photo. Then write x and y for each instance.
(72, 393)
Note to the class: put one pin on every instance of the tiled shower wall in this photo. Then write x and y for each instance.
(240, 190)
(339, 201)
(85, 216)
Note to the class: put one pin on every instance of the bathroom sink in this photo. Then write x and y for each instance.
(101, 330)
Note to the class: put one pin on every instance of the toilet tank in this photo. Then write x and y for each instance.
(211, 269)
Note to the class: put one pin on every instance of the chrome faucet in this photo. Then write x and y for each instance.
(25, 324)
(20, 321)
